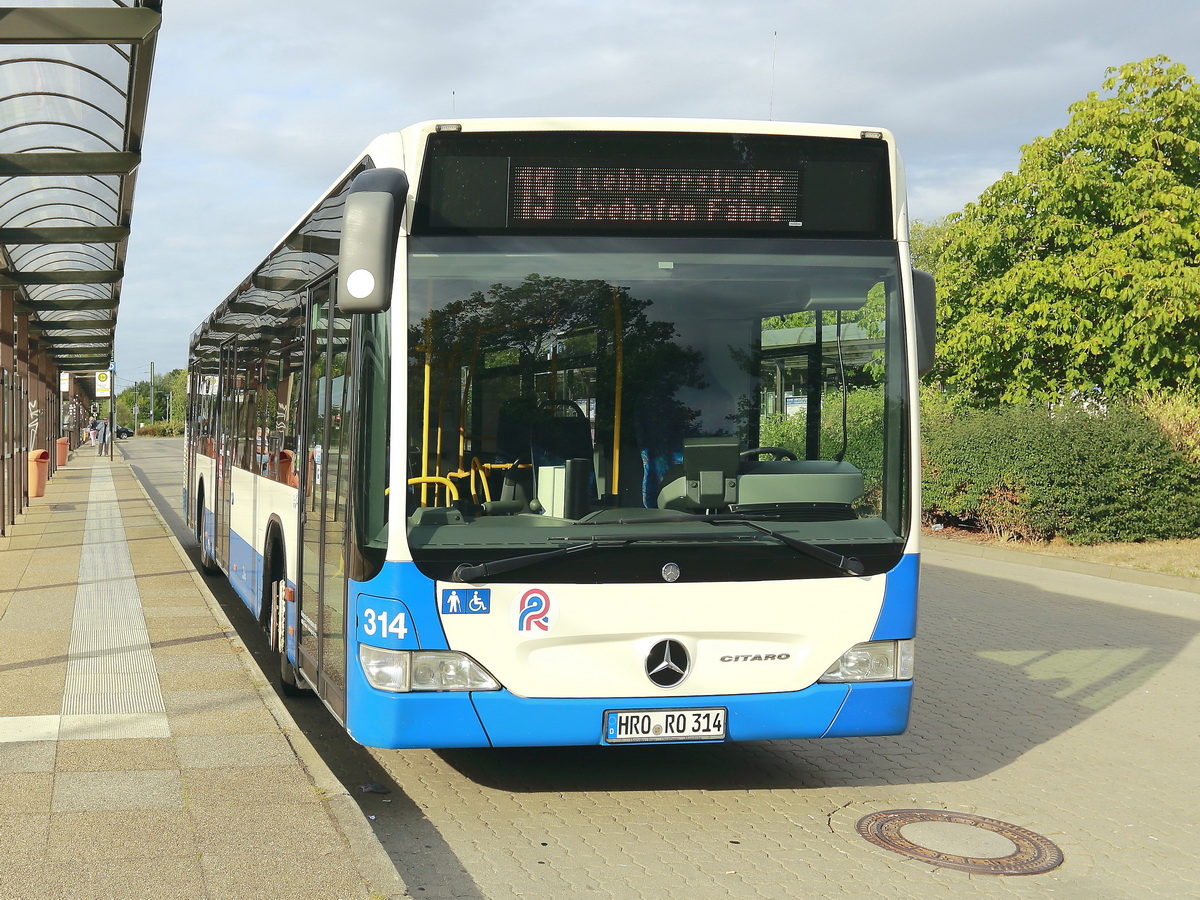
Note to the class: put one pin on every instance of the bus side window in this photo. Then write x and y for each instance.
(291, 430)
(248, 430)
(283, 420)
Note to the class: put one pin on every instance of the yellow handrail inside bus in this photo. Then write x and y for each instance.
(428, 350)
(620, 361)
(435, 479)
(477, 468)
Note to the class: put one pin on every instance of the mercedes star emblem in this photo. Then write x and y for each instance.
(667, 663)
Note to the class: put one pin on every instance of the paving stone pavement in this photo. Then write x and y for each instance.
(1059, 702)
(140, 754)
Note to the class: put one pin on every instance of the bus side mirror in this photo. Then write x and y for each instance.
(367, 252)
(925, 303)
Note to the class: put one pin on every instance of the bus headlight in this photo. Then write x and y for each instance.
(873, 661)
(445, 670)
(401, 671)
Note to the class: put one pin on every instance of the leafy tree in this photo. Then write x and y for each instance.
(927, 241)
(170, 399)
(1081, 270)
(171, 389)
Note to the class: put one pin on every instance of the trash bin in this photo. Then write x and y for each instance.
(64, 447)
(286, 458)
(39, 470)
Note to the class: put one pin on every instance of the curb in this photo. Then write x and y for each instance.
(377, 871)
(1063, 564)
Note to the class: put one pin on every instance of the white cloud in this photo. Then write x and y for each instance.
(256, 108)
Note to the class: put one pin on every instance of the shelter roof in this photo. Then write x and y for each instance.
(74, 86)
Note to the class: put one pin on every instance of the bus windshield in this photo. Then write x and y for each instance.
(561, 389)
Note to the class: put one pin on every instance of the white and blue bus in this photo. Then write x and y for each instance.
(566, 432)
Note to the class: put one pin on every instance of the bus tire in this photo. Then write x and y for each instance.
(208, 565)
(273, 616)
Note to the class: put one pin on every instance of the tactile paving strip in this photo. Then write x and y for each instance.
(110, 667)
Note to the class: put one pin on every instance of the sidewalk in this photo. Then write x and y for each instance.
(1031, 557)
(141, 753)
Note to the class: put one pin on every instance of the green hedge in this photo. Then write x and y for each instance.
(161, 429)
(1085, 475)
(864, 435)
(1177, 414)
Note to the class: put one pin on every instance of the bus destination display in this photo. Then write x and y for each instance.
(650, 184)
(652, 195)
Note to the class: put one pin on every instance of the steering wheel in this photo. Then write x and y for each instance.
(777, 453)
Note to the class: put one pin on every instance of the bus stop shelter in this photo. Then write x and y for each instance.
(74, 86)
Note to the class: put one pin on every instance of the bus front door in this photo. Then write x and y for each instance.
(325, 485)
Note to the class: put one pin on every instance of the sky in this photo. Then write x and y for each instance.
(256, 108)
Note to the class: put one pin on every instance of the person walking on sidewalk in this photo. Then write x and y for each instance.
(91, 431)
(102, 437)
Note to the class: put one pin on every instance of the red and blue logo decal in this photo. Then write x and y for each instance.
(533, 611)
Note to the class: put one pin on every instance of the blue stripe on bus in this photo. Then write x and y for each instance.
(879, 707)
(512, 721)
(898, 616)
(382, 719)
(245, 577)
(402, 581)
(501, 719)
(245, 571)
(822, 710)
(378, 718)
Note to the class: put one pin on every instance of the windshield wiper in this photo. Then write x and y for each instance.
(851, 565)
(578, 544)
(468, 573)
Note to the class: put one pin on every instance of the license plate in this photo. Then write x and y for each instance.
(627, 726)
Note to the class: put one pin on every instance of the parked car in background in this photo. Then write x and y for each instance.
(123, 432)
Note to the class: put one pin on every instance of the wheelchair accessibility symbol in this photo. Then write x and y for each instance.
(465, 602)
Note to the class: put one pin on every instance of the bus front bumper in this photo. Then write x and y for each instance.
(501, 719)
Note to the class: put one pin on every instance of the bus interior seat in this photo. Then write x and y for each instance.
(513, 428)
(559, 431)
(513, 423)
(561, 441)
(549, 433)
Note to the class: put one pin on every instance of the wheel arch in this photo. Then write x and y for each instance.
(200, 496)
(274, 568)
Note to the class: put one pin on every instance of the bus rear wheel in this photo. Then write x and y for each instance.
(208, 565)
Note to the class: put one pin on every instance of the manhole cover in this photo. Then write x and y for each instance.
(961, 841)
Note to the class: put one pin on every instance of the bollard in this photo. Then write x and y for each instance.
(39, 470)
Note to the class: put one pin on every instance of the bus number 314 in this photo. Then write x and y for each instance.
(378, 622)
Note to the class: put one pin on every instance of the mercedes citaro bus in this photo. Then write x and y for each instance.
(579, 431)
